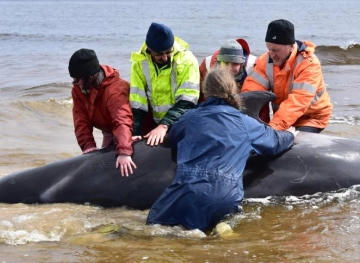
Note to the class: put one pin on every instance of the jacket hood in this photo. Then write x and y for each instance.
(210, 101)
(179, 45)
(306, 46)
(111, 75)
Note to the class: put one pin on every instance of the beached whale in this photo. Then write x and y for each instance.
(316, 163)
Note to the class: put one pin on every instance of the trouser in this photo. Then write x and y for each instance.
(309, 129)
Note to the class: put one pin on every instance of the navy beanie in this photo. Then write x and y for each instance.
(159, 37)
(280, 32)
(83, 63)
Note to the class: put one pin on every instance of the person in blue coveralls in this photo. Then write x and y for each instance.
(213, 143)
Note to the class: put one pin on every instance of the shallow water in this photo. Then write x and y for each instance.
(313, 229)
(38, 38)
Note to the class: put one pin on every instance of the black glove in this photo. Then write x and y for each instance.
(138, 117)
(176, 112)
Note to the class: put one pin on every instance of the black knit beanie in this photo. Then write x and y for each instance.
(280, 32)
(159, 37)
(83, 63)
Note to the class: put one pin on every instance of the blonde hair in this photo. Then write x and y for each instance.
(220, 83)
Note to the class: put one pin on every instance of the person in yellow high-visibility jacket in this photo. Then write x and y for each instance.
(164, 83)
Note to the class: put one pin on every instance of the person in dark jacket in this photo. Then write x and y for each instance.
(100, 100)
(213, 143)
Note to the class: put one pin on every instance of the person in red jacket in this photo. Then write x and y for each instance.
(291, 70)
(232, 55)
(235, 55)
(101, 100)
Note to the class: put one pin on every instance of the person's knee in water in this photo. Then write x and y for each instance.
(213, 143)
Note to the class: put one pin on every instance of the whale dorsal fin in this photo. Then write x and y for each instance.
(253, 101)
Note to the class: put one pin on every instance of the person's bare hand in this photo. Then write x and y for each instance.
(136, 138)
(125, 164)
(157, 135)
(293, 131)
(89, 150)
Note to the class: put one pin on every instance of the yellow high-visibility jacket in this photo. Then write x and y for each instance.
(162, 88)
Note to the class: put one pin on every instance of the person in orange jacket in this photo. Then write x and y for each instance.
(291, 70)
(100, 100)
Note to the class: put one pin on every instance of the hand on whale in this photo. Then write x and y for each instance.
(316, 163)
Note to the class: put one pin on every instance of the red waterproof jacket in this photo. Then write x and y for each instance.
(302, 98)
(107, 109)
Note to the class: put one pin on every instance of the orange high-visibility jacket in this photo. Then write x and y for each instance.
(302, 98)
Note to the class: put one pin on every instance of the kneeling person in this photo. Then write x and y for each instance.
(213, 144)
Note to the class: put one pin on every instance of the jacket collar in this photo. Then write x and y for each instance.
(213, 101)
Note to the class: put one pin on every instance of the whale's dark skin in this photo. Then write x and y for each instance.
(316, 163)
(92, 178)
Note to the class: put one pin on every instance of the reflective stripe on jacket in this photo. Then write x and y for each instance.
(163, 87)
(302, 98)
(107, 109)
